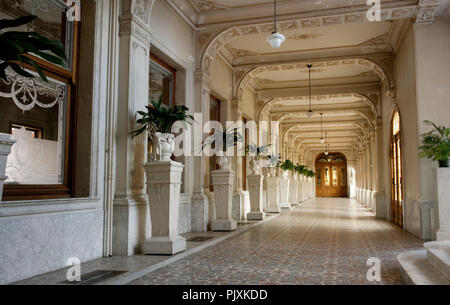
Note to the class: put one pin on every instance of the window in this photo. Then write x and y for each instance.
(162, 81)
(39, 115)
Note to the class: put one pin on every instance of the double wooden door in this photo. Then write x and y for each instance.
(331, 176)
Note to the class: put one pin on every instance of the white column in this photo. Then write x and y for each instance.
(255, 184)
(163, 185)
(300, 188)
(443, 195)
(284, 192)
(5, 149)
(200, 201)
(223, 197)
(131, 201)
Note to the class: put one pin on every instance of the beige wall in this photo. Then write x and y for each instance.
(433, 88)
(249, 104)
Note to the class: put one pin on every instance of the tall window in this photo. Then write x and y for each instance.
(162, 81)
(396, 172)
(39, 114)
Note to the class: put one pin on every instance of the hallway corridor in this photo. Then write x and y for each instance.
(325, 241)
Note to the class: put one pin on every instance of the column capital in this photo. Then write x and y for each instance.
(130, 25)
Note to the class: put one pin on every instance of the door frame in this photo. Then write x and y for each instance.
(398, 216)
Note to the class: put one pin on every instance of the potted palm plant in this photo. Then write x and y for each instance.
(257, 154)
(273, 162)
(436, 144)
(227, 139)
(287, 166)
(158, 120)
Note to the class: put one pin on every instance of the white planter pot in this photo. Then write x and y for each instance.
(224, 162)
(255, 166)
(164, 145)
(273, 191)
(273, 171)
(5, 148)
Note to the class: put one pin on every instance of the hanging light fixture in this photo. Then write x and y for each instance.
(275, 39)
(322, 140)
(310, 112)
(326, 144)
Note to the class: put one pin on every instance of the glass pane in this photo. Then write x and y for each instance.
(343, 176)
(319, 176)
(327, 176)
(399, 165)
(396, 124)
(34, 113)
(161, 83)
(51, 19)
(335, 177)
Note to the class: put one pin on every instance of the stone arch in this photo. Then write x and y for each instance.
(367, 100)
(242, 77)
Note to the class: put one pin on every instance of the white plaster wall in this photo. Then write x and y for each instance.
(433, 89)
(249, 104)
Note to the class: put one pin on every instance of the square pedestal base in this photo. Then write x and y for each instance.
(223, 225)
(286, 206)
(256, 215)
(164, 245)
(273, 210)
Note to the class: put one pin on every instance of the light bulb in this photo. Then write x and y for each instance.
(322, 140)
(276, 39)
(310, 113)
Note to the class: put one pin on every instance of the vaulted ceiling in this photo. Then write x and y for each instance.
(333, 35)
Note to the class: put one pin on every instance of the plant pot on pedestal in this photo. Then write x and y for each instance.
(223, 195)
(5, 149)
(163, 187)
(255, 186)
(273, 190)
(284, 191)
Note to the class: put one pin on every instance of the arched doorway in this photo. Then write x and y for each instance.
(331, 175)
(396, 171)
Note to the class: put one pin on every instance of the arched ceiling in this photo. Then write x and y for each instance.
(352, 61)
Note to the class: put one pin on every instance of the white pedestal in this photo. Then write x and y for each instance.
(293, 192)
(443, 195)
(255, 186)
(223, 197)
(163, 187)
(284, 192)
(5, 148)
(273, 190)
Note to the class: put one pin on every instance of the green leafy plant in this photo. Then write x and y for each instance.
(301, 169)
(159, 118)
(309, 173)
(287, 165)
(18, 46)
(229, 138)
(259, 152)
(436, 143)
(273, 160)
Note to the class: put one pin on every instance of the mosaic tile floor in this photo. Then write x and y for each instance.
(325, 241)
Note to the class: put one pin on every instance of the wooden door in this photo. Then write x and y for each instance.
(331, 175)
(396, 172)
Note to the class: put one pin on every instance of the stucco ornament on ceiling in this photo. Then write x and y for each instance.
(208, 5)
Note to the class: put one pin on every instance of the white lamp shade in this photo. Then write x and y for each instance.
(276, 39)
(310, 113)
(322, 140)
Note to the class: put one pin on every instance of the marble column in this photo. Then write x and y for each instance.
(6, 144)
(443, 195)
(163, 187)
(255, 186)
(131, 217)
(305, 189)
(200, 199)
(293, 190)
(284, 192)
(223, 194)
(273, 190)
